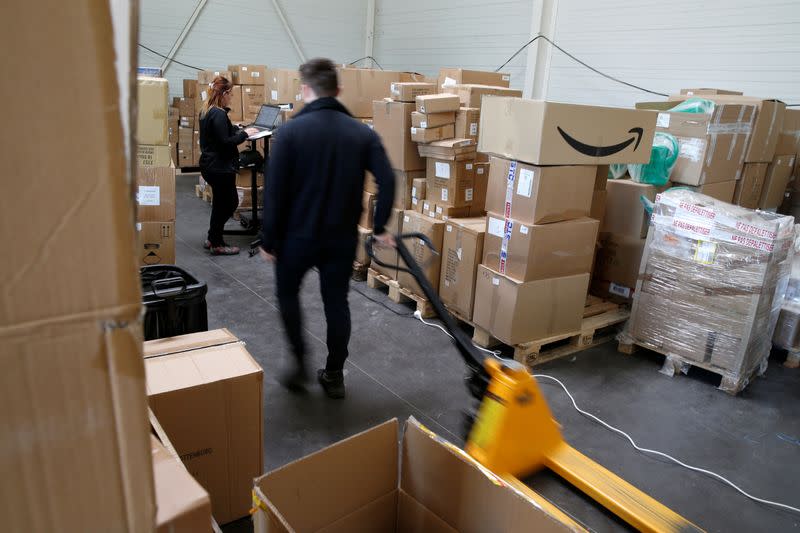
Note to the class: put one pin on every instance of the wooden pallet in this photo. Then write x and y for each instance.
(207, 195)
(792, 360)
(674, 365)
(359, 271)
(198, 191)
(601, 321)
(399, 294)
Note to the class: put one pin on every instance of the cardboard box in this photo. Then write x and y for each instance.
(244, 178)
(367, 210)
(467, 122)
(458, 76)
(190, 88)
(625, 214)
(408, 91)
(421, 483)
(601, 178)
(618, 262)
(185, 157)
(360, 87)
(549, 133)
(403, 183)
(153, 156)
(248, 74)
(451, 149)
(515, 312)
(447, 212)
(155, 194)
(749, 187)
(361, 251)
(429, 262)
(789, 137)
(598, 209)
(183, 505)
(723, 190)
(540, 194)
(235, 114)
(427, 208)
(419, 188)
(705, 91)
(462, 250)
(392, 121)
(450, 182)
(156, 242)
(283, 87)
(205, 389)
(539, 251)
(432, 120)
(389, 255)
(185, 105)
(765, 129)
(479, 188)
(437, 103)
(245, 195)
(427, 135)
(151, 117)
(779, 173)
(253, 97)
(196, 151)
(712, 146)
(471, 95)
(205, 77)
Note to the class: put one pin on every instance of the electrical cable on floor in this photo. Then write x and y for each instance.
(167, 57)
(371, 299)
(418, 315)
(633, 443)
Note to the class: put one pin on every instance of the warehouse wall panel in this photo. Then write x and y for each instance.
(424, 35)
(247, 31)
(663, 46)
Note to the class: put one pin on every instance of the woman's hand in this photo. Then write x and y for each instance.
(251, 131)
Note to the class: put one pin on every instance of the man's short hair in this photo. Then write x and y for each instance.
(320, 74)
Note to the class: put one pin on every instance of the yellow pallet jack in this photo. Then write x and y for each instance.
(514, 434)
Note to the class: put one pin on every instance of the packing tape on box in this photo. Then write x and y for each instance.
(736, 135)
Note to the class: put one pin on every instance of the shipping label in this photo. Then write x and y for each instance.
(444, 195)
(468, 195)
(619, 290)
(149, 195)
(705, 252)
(525, 184)
(473, 128)
(691, 149)
(495, 227)
(442, 170)
(663, 120)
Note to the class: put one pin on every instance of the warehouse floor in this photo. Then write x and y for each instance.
(399, 368)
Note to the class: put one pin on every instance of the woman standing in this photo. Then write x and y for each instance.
(219, 161)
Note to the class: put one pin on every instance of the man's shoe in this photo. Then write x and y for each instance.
(295, 380)
(207, 244)
(332, 382)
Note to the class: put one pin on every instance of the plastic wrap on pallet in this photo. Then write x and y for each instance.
(711, 284)
(787, 330)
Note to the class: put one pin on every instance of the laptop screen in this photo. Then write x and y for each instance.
(267, 116)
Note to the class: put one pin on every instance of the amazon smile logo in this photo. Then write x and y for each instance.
(602, 151)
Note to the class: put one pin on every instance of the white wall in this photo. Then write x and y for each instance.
(424, 35)
(663, 46)
(249, 31)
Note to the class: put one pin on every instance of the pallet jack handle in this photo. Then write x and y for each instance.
(473, 358)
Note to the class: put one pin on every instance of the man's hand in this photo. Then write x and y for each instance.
(385, 240)
(251, 131)
(268, 257)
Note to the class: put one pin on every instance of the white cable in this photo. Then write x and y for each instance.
(662, 454)
(622, 433)
(418, 315)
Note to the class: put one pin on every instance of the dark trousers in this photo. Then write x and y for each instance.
(335, 264)
(224, 202)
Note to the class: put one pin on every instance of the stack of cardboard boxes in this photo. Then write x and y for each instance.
(252, 82)
(789, 144)
(540, 242)
(283, 88)
(155, 180)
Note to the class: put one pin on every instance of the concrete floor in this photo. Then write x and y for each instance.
(399, 367)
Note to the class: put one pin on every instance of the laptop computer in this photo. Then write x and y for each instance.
(267, 118)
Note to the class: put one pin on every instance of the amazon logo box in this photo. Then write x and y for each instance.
(550, 133)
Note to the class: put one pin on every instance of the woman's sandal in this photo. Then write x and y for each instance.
(224, 250)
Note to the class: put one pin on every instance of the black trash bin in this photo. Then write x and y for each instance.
(174, 300)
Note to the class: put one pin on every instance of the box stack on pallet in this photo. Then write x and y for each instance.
(711, 286)
(789, 144)
(155, 179)
(539, 247)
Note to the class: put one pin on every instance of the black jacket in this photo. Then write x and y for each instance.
(218, 142)
(315, 177)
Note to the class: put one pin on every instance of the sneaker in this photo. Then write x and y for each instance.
(224, 250)
(332, 382)
(207, 244)
(295, 380)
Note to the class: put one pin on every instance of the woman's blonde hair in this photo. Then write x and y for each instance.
(216, 89)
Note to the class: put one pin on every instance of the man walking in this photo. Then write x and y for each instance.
(312, 203)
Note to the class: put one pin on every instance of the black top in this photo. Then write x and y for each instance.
(315, 178)
(219, 140)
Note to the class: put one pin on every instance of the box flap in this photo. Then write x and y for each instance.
(191, 341)
(473, 225)
(328, 485)
(184, 370)
(378, 515)
(177, 492)
(413, 516)
(458, 490)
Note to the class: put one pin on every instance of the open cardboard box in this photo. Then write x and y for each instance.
(369, 482)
